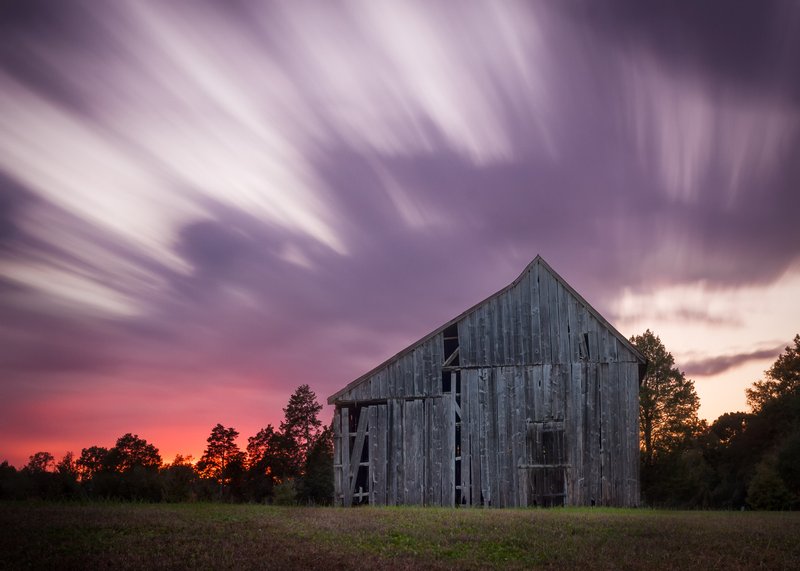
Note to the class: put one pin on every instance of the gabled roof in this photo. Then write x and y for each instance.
(537, 260)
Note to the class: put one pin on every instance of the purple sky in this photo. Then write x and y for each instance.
(204, 205)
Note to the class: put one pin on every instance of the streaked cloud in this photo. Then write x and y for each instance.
(211, 202)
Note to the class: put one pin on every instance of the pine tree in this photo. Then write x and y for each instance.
(301, 425)
(222, 456)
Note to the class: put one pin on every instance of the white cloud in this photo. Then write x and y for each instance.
(84, 170)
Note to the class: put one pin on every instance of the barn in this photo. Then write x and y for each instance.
(529, 398)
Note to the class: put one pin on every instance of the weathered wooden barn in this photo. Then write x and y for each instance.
(529, 398)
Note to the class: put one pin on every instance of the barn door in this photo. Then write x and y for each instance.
(547, 463)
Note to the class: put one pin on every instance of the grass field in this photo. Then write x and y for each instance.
(219, 536)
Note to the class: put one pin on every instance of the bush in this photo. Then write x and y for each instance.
(285, 493)
(767, 490)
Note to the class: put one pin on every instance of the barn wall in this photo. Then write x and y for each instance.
(536, 321)
(417, 373)
(547, 413)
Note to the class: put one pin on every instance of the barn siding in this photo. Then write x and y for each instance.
(533, 355)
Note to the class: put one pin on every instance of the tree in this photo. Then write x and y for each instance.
(10, 483)
(131, 451)
(316, 486)
(783, 379)
(668, 402)
(222, 457)
(301, 424)
(40, 462)
(91, 461)
(178, 480)
(270, 461)
(767, 490)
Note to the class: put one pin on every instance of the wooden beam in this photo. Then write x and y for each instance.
(451, 358)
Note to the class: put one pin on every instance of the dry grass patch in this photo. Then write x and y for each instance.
(218, 536)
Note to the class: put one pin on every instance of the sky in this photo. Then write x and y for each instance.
(204, 205)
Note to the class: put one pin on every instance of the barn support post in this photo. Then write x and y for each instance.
(347, 496)
(337, 457)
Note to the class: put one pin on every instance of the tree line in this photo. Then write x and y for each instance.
(741, 460)
(289, 464)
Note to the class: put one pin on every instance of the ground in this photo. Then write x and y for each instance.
(220, 536)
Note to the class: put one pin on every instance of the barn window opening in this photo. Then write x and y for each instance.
(450, 377)
(450, 341)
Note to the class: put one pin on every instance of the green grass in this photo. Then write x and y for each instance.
(219, 536)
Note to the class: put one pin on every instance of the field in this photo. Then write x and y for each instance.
(220, 536)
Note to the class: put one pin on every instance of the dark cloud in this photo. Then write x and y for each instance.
(751, 44)
(721, 363)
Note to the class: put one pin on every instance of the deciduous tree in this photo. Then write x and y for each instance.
(91, 461)
(316, 486)
(668, 402)
(40, 462)
(131, 451)
(782, 379)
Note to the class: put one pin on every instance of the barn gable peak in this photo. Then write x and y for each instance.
(534, 305)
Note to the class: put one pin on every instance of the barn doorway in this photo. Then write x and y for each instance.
(547, 463)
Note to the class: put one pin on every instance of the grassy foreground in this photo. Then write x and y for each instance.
(219, 536)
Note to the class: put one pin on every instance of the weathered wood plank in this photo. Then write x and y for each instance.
(337, 457)
(563, 324)
(347, 496)
(501, 424)
(438, 449)
(407, 373)
(545, 316)
(395, 456)
(449, 450)
(518, 424)
(524, 315)
(536, 327)
(462, 416)
(472, 386)
(372, 479)
(381, 454)
(465, 342)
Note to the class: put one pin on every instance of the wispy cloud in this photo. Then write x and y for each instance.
(719, 364)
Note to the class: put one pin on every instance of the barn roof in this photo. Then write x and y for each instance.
(537, 260)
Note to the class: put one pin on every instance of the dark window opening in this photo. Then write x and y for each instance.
(450, 340)
(352, 419)
(447, 385)
(361, 494)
